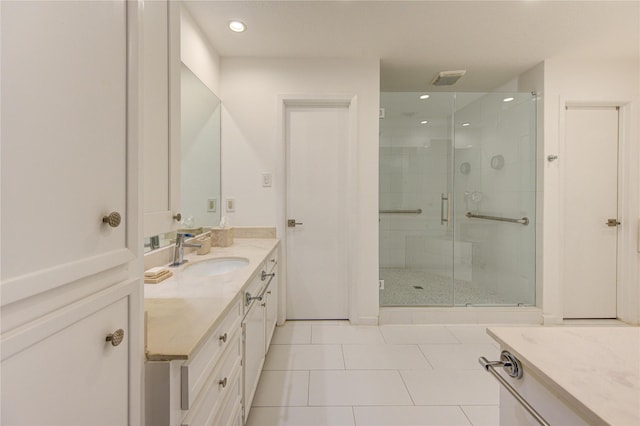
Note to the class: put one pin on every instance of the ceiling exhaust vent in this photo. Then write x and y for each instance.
(448, 78)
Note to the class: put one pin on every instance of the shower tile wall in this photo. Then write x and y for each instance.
(413, 178)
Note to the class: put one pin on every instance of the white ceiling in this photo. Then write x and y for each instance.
(493, 40)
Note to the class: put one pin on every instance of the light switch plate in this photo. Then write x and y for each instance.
(267, 179)
(230, 204)
(212, 204)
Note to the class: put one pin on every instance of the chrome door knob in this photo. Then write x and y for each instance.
(116, 337)
(113, 219)
(177, 217)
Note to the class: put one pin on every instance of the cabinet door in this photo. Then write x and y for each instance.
(71, 375)
(64, 142)
(253, 338)
(161, 116)
(271, 310)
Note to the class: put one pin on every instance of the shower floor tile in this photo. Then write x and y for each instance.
(414, 287)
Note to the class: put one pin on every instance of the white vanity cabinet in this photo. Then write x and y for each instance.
(206, 388)
(71, 293)
(207, 339)
(253, 336)
(259, 324)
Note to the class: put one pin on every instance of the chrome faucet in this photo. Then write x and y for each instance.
(178, 250)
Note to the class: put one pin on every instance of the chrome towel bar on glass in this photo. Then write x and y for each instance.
(416, 211)
(513, 368)
(523, 221)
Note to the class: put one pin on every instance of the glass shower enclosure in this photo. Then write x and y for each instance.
(457, 199)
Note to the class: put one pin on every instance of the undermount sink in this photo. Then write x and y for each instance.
(212, 267)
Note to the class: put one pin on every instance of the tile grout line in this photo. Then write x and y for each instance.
(425, 357)
(407, 388)
(308, 388)
(465, 414)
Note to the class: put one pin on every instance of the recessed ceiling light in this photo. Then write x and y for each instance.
(237, 26)
(466, 124)
(508, 99)
(424, 96)
(424, 122)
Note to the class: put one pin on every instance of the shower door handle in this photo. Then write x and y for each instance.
(444, 200)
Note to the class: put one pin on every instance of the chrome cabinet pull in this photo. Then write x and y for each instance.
(113, 219)
(223, 382)
(116, 337)
(177, 217)
(223, 338)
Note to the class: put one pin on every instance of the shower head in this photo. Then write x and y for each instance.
(448, 78)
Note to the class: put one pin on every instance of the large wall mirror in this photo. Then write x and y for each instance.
(200, 158)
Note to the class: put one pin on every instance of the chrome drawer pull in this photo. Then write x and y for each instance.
(223, 338)
(223, 382)
(513, 368)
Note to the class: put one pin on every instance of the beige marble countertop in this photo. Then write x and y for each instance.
(182, 310)
(596, 368)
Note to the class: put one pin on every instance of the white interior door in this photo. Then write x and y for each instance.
(591, 199)
(317, 140)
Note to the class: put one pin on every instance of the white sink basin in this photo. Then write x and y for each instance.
(212, 267)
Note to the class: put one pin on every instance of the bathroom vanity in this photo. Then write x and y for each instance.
(572, 375)
(207, 334)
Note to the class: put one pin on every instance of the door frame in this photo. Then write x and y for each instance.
(627, 287)
(284, 101)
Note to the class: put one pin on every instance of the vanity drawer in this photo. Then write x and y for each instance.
(223, 382)
(230, 412)
(194, 373)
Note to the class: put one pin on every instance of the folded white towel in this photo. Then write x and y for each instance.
(153, 272)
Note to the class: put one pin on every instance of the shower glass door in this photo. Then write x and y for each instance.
(416, 232)
(457, 199)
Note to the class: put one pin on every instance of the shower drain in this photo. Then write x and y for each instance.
(418, 287)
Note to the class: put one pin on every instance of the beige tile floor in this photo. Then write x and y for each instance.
(331, 373)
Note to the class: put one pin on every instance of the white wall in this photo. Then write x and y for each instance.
(599, 81)
(250, 90)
